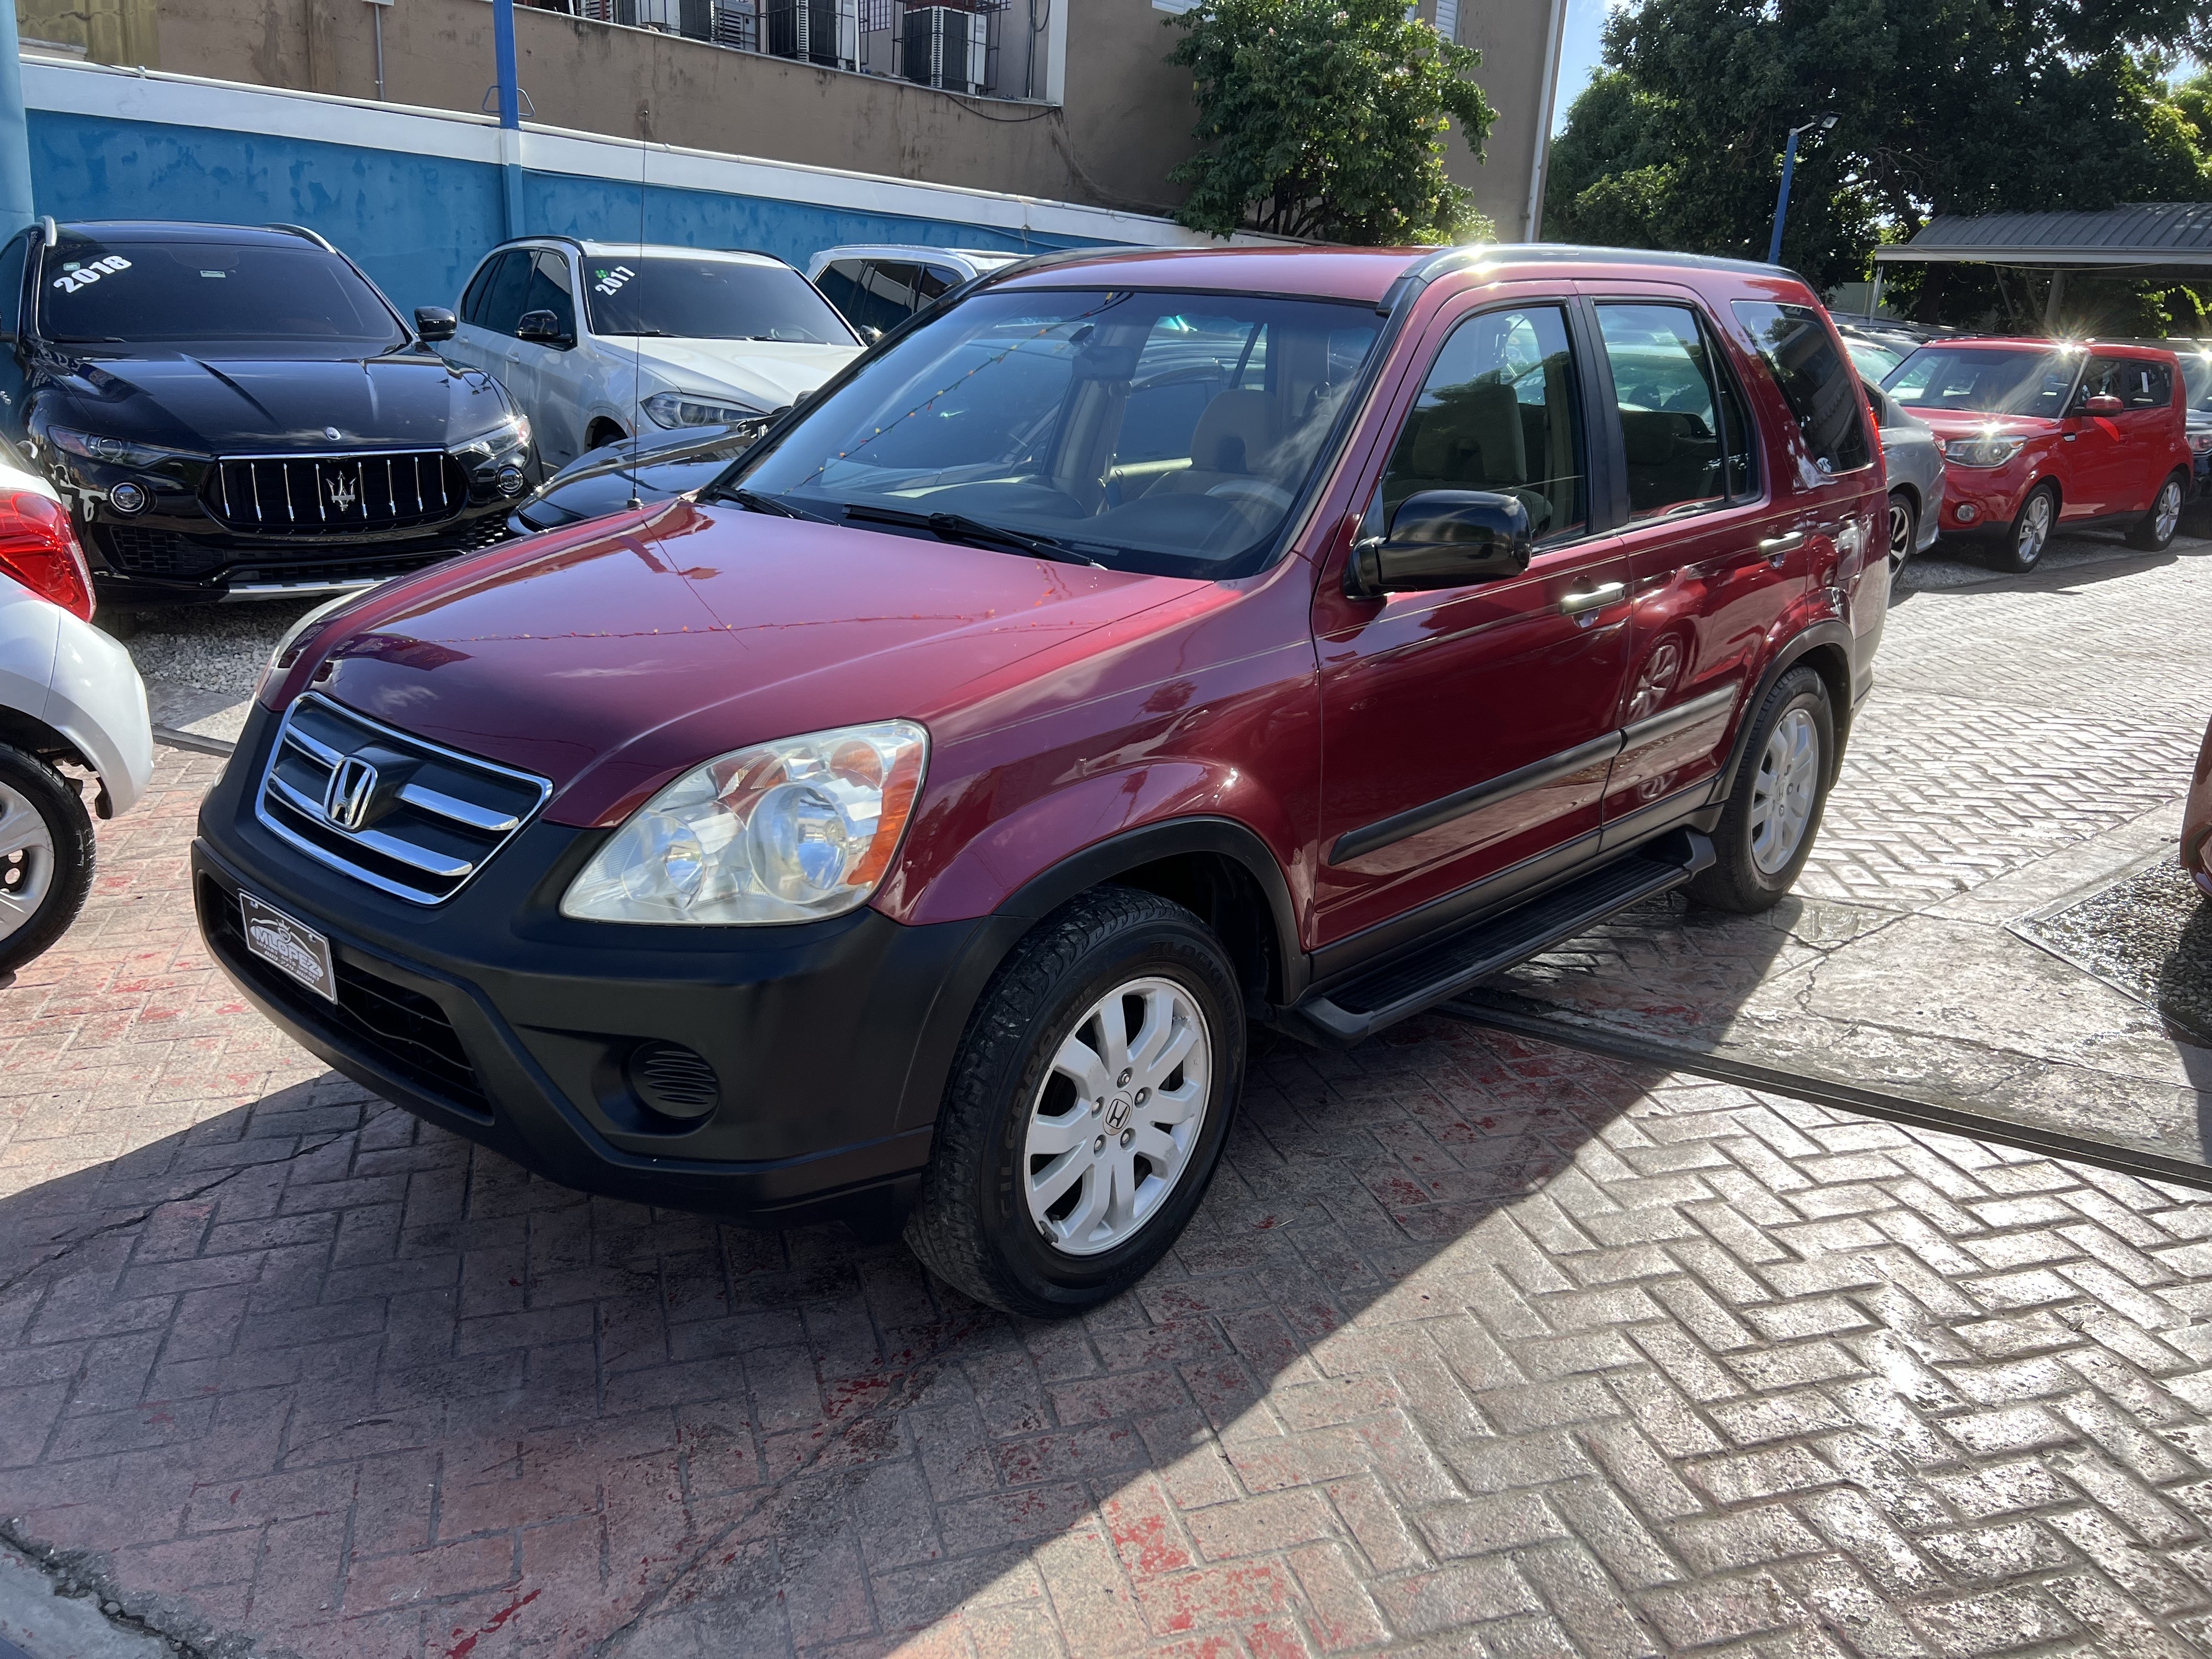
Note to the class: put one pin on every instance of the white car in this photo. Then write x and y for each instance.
(598, 341)
(878, 285)
(70, 696)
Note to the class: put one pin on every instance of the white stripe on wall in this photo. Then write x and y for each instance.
(74, 87)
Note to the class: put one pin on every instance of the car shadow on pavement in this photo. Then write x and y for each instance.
(315, 1373)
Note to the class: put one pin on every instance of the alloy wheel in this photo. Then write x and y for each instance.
(1900, 532)
(1784, 792)
(2034, 528)
(2168, 513)
(1114, 1122)
(27, 860)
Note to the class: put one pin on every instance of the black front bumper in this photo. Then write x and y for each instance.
(493, 1016)
(173, 561)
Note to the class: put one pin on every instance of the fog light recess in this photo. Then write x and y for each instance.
(673, 1080)
(1968, 512)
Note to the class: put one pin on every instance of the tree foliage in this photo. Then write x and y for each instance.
(1945, 106)
(1328, 118)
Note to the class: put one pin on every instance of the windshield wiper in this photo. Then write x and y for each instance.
(959, 528)
(753, 502)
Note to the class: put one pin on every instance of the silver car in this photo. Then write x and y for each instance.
(1914, 460)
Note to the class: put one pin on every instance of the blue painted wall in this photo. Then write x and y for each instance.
(418, 224)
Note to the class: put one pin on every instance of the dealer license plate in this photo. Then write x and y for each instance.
(291, 945)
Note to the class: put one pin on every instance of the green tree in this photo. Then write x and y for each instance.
(1328, 118)
(1944, 106)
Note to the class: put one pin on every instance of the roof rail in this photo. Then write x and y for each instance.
(301, 231)
(1419, 275)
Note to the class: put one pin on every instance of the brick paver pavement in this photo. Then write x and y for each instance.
(1475, 1348)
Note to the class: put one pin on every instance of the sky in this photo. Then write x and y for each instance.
(1578, 53)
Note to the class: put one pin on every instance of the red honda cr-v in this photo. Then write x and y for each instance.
(2040, 433)
(1138, 646)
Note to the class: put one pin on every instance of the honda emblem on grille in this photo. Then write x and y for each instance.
(353, 784)
(343, 493)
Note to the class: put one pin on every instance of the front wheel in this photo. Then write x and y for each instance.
(1767, 830)
(1904, 528)
(1086, 1110)
(2154, 530)
(46, 857)
(2029, 532)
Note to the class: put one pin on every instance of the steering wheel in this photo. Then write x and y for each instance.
(1256, 490)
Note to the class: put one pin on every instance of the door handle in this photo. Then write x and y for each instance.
(1591, 598)
(1778, 547)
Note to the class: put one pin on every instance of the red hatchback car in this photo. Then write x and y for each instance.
(1137, 646)
(2040, 433)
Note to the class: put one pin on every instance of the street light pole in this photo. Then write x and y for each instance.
(1789, 167)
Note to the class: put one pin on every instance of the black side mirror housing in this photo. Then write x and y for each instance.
(435, 322)
(1443, 539)
(542, 328)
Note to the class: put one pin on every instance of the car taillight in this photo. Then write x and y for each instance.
(39, 549)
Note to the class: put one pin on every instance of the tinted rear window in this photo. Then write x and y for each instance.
(1818, 381)
(92, 291)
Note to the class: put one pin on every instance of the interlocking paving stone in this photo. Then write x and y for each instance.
(1477, 1345)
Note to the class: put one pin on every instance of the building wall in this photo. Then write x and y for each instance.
(417, 196)
(1124, 121)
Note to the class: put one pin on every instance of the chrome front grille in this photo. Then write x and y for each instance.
(334, 494)
(407, 816)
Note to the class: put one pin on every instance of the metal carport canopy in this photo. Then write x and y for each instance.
(2147, 236)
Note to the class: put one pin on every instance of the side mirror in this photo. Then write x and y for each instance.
(2104, 406)
(542, 328)
(1443, 539)
(435, 322)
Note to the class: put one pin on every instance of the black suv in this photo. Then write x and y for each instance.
(232, 411)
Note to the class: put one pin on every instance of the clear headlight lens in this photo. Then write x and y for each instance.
(114, 451)
(1982, 449)
(510, 434)
(787, 832)
(674, 409)
(2201, 441)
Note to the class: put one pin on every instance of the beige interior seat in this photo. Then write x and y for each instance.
(1231, 441)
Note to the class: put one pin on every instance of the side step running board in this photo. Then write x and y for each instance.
(1406, 987)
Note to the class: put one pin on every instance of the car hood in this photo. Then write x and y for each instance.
(233, 405)
(1964, 423)
(615, 656)
(767, 373)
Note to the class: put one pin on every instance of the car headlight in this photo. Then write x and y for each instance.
(674, 409)
(512, 433)
(2201, 442)
(1982, 449)
(787, 832)
(114, 451)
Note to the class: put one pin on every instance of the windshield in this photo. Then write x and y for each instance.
(1161, 432)
(707, 300)
(2197, 379)
(128, 292)
(1872, 361)
(1985, 381)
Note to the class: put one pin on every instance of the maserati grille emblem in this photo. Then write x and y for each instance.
(352, 786)
(344, 494)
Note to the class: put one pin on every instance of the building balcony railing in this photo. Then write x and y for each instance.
(977, 48)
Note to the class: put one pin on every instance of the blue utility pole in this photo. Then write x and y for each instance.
(1789, 167)
(15, 133)
(510, 112)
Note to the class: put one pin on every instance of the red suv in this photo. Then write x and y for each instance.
(2040, 433)
(1137, 645)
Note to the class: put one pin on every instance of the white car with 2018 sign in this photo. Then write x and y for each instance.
(600, 342)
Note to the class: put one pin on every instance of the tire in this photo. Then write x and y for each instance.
(1904, 528)
(46, 857)
(2154, 532)
(1012, 1115)
(1751, 869)
(2029, 533)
